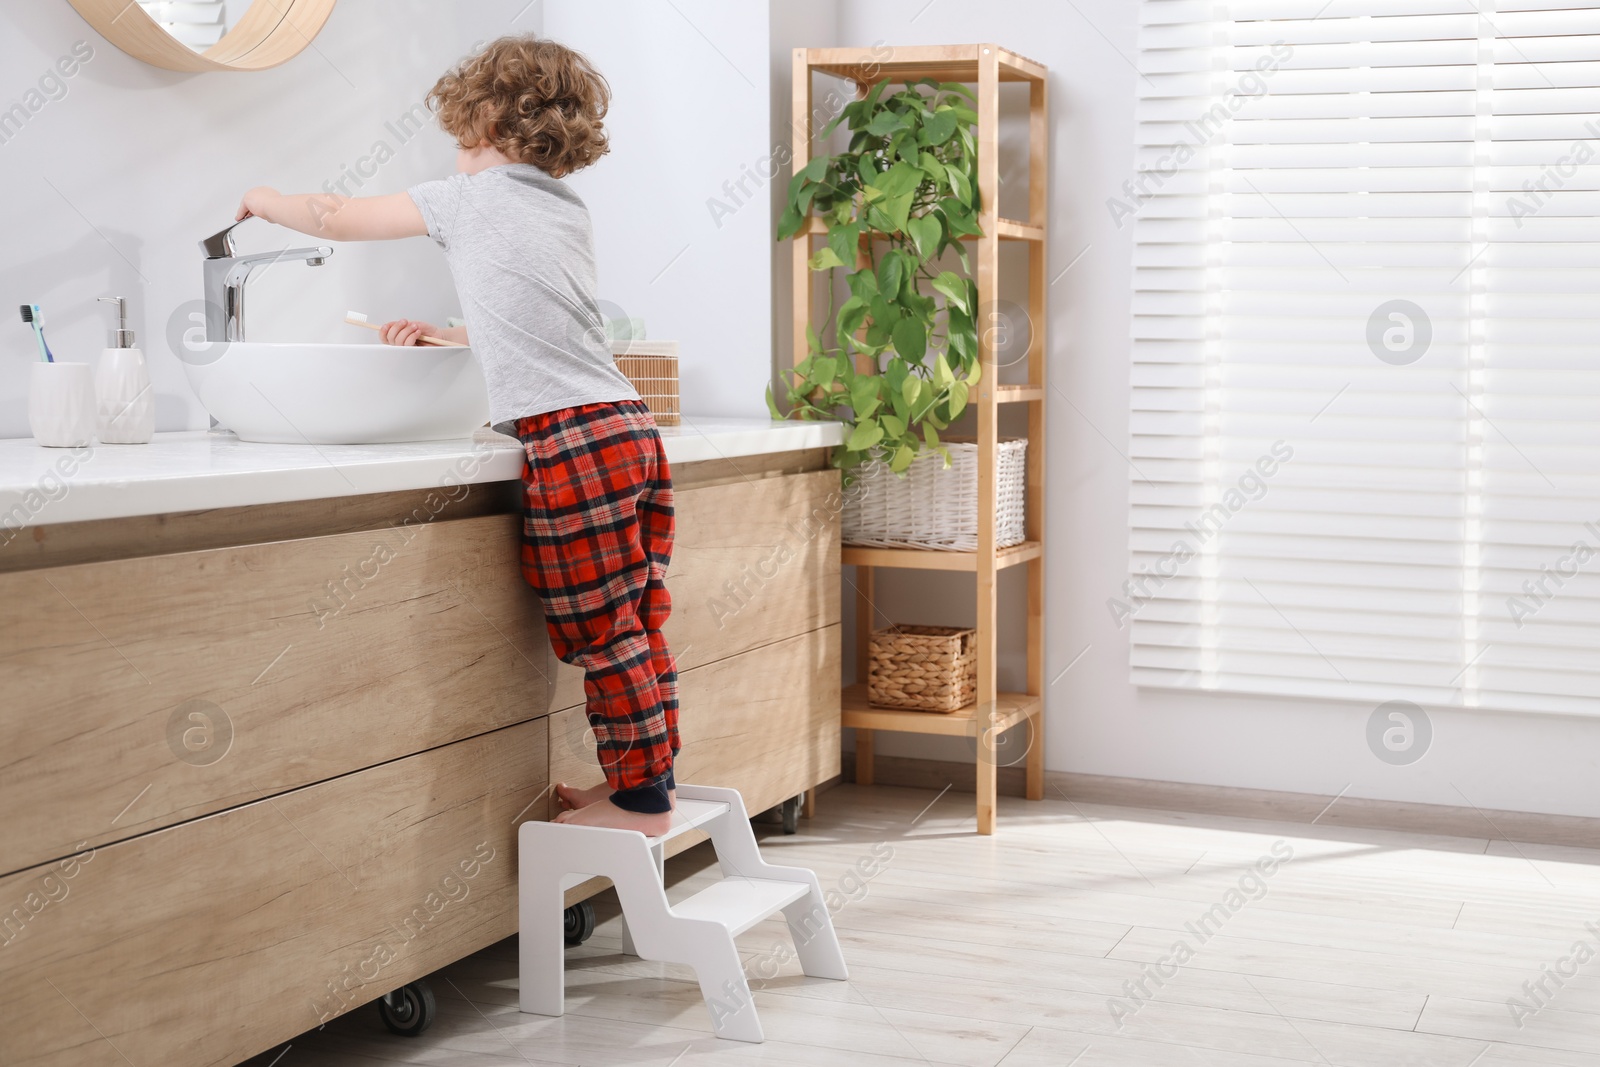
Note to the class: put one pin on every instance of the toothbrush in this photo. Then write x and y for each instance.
(355, 318)
(33, 316)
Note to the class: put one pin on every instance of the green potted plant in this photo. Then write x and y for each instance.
(903, 195)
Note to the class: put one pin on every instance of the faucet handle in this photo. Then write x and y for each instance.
(220, 245)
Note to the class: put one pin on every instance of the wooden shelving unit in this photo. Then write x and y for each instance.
(986, 66)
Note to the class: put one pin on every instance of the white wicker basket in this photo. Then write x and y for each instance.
(931, 507)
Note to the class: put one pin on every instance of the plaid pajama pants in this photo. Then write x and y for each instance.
(596, 542)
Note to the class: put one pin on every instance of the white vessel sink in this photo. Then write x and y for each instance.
(326, 394)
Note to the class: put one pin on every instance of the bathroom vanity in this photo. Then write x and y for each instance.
(272, 714)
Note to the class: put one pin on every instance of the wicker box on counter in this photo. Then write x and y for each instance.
(923, 668)
(652, 367)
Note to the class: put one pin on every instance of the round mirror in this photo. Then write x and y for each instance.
(201, 35)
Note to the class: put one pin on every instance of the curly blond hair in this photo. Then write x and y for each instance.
(537, 101)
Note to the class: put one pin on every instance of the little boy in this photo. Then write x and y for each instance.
(597, 493)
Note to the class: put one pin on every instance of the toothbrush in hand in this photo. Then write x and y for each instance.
(33, 316)
(355, 318)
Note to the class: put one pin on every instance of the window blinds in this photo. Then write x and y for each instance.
(1366, 364)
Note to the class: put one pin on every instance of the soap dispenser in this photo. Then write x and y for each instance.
(127, 407)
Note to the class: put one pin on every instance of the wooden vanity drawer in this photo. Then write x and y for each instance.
(202, 944)
(142, 692)
(755, 561)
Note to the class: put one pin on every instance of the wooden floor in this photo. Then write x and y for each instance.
(1364, 948)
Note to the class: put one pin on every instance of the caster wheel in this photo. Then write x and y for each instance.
(579, 921)
(408, 1010)
(790, 810)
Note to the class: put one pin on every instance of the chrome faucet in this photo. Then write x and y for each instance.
(225, 274)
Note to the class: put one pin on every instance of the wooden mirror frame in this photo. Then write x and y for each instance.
(272, 32)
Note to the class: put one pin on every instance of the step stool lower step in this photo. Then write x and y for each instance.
(740, 903)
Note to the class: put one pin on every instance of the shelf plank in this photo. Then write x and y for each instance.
(1018, 394)
(931, 559)
(951, 63)
(1016, 230)
(1017, 67)
(858, 713)
(1007, 229)
(908, 558)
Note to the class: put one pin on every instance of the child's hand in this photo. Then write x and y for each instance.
(405, 332)
(254, 203)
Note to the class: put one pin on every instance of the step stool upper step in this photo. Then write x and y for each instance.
(691, 814)
(740, 903)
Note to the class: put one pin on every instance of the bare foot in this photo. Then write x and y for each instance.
(608, 814)
(572, 799)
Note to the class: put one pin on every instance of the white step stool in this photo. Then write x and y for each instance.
(553, 857)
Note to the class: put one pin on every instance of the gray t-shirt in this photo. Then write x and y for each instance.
(521, 250)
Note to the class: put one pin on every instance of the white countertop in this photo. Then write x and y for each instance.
(197, 470)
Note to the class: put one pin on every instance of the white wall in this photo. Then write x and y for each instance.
(680, 204)
(805, 25)
(1097, 722)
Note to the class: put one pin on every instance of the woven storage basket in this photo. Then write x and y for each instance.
(931, 507)
(923, 668)
(652, 367)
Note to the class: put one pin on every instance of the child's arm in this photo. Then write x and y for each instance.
(344, 218)
(337, 218)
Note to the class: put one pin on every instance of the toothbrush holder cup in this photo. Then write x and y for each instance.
(61, 404)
